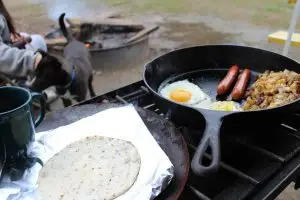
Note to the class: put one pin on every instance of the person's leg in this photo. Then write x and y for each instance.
(37, 42)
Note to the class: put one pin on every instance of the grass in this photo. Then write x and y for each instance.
(138, 6)
(273, 13)
(28, 16)
(22, 6)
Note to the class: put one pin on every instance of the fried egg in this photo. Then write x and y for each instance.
(225, 106)
(205, 104)
(184, 92)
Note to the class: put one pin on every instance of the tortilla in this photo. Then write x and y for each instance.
(94, 168)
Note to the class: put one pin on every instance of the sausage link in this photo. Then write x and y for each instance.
(241, 85)
(228, 80)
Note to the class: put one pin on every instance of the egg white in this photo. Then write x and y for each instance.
(197, 95)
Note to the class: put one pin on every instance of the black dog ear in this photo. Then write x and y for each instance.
(49, 62)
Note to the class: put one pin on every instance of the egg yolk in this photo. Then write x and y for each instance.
(180, 95)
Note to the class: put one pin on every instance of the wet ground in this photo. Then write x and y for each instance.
(182, 23)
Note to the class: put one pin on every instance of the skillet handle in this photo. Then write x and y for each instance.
(211, 138)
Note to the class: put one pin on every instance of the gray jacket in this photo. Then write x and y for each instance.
(13, 61)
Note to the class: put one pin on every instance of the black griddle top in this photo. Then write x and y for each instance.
(257, 162)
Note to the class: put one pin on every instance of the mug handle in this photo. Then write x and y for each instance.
(41, 116)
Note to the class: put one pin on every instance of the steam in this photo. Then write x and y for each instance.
(72, 8)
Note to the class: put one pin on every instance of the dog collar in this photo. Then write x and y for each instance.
(73, 77)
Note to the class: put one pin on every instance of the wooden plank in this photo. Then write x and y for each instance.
(109, 14)
(109, 22)
(141, 34)
(56, 41)
(56, 48)
(280, 37)
(292, 1)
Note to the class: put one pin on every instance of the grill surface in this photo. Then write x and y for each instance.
(257, 162)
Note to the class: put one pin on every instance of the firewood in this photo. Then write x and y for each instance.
(56, 41)
(104, 15)
(141, 34)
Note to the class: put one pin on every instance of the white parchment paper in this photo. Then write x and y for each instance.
(124, 123)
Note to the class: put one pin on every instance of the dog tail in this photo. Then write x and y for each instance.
(63, 28)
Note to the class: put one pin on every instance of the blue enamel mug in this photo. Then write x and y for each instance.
(17, 121)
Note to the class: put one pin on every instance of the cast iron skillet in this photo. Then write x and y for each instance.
(206, 66)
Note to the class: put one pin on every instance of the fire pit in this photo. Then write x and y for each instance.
(112, 43)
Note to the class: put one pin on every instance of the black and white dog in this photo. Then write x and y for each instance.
(73, 74)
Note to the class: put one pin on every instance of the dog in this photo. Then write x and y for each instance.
(73, 74)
